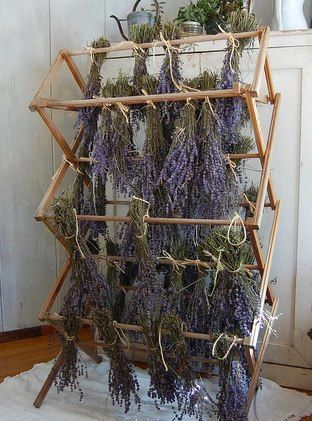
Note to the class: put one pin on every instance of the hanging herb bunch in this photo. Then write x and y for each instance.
(72, 366)
(177, 171)
(170, 78)
(141, 34)
(88, 117)
(231, 113)
(88, 288)
(114, 154)
(123, 383)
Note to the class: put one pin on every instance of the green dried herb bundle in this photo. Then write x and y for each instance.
(227, 246)
(241, 21)
(141, 34)
(170, 30)
(97, 59)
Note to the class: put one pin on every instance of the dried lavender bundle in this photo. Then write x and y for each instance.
(230, 111)
(72, 365)
(191, 398)
(114, 152)
(177, 171)
(123, 382)
(234, 380)
(88, 284)
(149, 298)
(170, 78)
(162, 387)
(89, 116)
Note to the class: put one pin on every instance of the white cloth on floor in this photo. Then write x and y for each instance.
(272, 402)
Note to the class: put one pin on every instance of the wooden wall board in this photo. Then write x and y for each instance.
(27, 250)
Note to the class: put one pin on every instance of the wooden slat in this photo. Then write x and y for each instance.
(257, 369)
(48, 383)
(266, 164)
(74, 105)
(268, 77)
(128, 45)
(47, 80)
(48, 304)
(264, 42)
(57, 135)
(137, 328)
(57, 179)
(265, 277)
(74, 70)
(161, 221)
(255, 122)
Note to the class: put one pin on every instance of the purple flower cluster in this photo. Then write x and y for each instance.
(234, 382)
(229, 110)
(177, 170)
(168, 82)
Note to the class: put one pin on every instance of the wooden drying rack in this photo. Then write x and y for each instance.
(251, 94)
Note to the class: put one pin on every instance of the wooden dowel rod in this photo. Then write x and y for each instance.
(232, 156)
(266, 164)
(135, 99)
(127, 203)
(166, 261)
(161, 221)
(128, 45)
(143, 348)
(136, 328)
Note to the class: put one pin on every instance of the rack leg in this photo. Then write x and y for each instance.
(257, 369)
(48, 383)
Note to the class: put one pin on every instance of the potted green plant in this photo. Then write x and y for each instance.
(214, 14)
(217, 12)
(191, 19)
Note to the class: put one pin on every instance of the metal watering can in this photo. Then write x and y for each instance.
(139, 17)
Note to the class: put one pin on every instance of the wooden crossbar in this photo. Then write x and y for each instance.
(129, 46)
(74, 105)
(137, 328)
(232, 156)
(155, 220)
